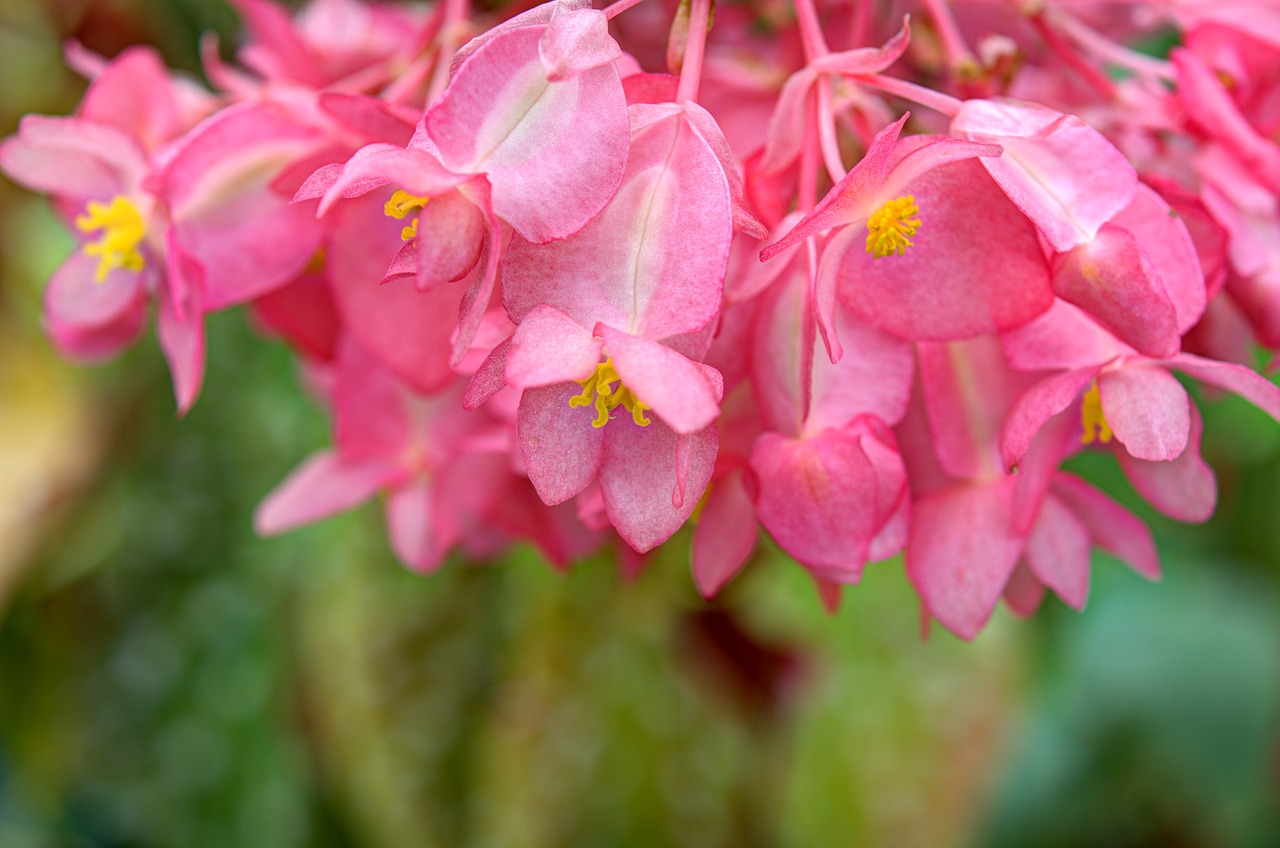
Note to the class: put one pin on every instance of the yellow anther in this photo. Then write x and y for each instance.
(600, 389)
(1093, 422)
(889, 229)
(122, 231)
(400, 205)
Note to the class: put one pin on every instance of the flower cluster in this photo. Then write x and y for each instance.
(580, 275)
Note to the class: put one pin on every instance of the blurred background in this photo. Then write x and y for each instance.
(167, 679)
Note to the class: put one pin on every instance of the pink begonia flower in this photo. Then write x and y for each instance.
(639, 284)
(1115, 393)
(971, 523)
(424, 451)
(825, 476)
(912, 255)
(97, 167)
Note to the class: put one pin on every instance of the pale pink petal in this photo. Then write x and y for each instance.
(1064, 175)
(684, 393)
(561, 450)
(92, 320)
(639, 475)
(1058, 552)
(1147, 409)
(725, 535)
(653, 262)
(575, 41)
(553, 151)
(322, 486)
(550, 347)
(1062, 338)
(72, 158)
(411, 524)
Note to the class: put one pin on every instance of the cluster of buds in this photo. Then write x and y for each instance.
(580, 276)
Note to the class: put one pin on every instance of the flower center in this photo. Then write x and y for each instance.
(1091, 418)
(890, 227)
(122, 230)
(400, 205)
(600, 389)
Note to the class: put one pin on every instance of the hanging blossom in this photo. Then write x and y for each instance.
(570, 278)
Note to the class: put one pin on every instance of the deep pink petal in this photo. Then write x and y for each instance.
(951, 284)
(817, 497)
(180, 327)
(1147, 409)
(1112, 278)
(450, 234)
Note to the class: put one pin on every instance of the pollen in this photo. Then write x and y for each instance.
(122, 230)
(604, 388)
(400, 205)
(889, 229)
(1092, 421)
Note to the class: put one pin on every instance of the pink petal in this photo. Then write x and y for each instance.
(1024, 593)
(1162, 234)
(1062, 338)
(653, 262)
(962, 552)
(562, 451)
(450, 234)
(1112, 278)
(180, 327)
(411, 523)
(489, 379)
(1184, 487)
(1147, 410)
(1064, 175)
(92, 320)
(554, 151)
(684, 393)
(134, 94)
(1058, 552)
(817, 497)
(1250, 385)
(950, 284)
(575, 41)
(550, 347)
(322, 486)
(72, 158)
(1116, 530)
(639, 475)
(725, 535)
(1037, 405)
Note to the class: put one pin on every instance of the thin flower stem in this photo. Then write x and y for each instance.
(953, 44)
(936, 100)
(827, 131)
(1074, 60)
(453, 34)
(1109, 51)
(617, 8)
(694, 50)
(815, 43)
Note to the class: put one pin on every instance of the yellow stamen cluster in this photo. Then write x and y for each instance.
(889, 229)
(600, 389)
(122, 230)
(400, 205)
(1092, 420)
